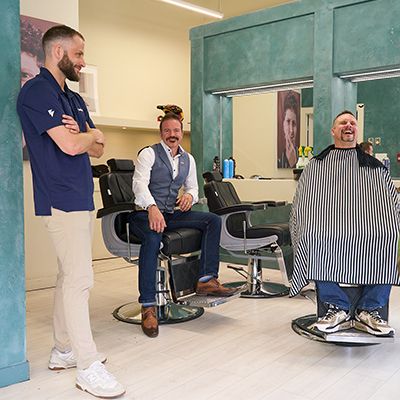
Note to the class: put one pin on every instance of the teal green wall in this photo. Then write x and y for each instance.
(381, 101)
(13, 364)
(321, 39)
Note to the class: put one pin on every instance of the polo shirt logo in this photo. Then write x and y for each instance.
(51, 112)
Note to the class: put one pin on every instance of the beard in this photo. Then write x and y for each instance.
(67, 68)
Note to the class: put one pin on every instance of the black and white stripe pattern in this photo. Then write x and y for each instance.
(345, 223)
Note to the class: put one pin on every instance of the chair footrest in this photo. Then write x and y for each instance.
(207, 301)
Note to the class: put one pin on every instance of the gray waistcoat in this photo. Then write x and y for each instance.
(162, 186)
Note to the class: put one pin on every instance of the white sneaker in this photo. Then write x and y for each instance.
(373, 323)
(59, 360)
(334, 320)
(97, 381)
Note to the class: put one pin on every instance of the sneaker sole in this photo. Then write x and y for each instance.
(58, 367)
(99, 395)
(340, 327)
(359, 325)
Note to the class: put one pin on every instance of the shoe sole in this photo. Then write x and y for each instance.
(340, 327)
(361, 326)
(101, 396)
(58, 367)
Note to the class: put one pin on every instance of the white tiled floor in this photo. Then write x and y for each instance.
(245, 349)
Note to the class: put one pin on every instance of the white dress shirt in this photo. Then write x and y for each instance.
(141, 177)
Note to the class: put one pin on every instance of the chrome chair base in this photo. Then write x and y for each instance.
(303, 326)
(170, 313)
(265, 290)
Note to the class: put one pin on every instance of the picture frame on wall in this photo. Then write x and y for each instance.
(288, 139)
(88, 89)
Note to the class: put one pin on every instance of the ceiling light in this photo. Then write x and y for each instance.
(371, 76)
(194, 7)
(307, 83)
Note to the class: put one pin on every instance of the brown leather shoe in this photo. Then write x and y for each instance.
(149, 321)
(213, 288)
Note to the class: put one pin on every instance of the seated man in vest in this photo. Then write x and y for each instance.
(161, 171)
(345, 225)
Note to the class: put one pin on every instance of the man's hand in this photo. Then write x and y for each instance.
(97, 133)
(291, 153)
(70, 123)
(185, 202)
(156, 219)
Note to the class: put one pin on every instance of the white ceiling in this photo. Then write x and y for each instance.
(168, 14)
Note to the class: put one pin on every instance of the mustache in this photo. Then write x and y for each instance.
(173, 137)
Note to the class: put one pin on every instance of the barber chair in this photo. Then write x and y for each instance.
(243, 240)
(177, 272)
(305, 326)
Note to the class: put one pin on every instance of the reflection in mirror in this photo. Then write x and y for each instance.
(259, 132)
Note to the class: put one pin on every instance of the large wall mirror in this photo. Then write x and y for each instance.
(256, 127)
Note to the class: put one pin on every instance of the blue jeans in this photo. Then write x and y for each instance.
(210, 226)
(372, 296)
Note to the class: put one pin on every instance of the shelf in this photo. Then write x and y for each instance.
(127, 123)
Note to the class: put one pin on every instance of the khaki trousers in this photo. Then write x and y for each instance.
(71, 234)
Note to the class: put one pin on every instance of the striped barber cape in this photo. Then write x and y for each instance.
(345, 221)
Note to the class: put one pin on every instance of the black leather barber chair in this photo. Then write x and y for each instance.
(255, 243)
(305, 326)
(178, 258)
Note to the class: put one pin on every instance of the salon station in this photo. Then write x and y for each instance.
(258, 83)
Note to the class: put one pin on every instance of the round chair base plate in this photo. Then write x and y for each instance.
(303, 326)
(266, 291)
(171, 313)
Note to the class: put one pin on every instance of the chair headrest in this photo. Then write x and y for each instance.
(120, 165)
(98, 170)
(210, 176)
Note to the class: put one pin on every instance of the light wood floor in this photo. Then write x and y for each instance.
(245, 349)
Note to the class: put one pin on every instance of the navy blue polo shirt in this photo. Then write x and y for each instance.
(59, 180)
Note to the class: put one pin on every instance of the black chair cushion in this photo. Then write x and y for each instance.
(181, 241)
(260, 231)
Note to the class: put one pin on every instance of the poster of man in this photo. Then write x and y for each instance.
(32, 57)
(288, 128)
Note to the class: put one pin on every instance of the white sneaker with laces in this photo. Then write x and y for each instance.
(373, 323)
(334, 320)
(59, 360)
(97, 381)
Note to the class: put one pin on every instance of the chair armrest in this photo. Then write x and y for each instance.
(271, 203)
(115, 209)
(243, 207)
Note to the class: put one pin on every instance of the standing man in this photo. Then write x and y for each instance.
(161, 170)
(345, 225)
(60, 137)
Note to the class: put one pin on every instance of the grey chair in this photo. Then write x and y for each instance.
(178, 256)
(241, 239)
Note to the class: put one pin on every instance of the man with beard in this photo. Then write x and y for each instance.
(345, 225)
(161, 171)
(60, 137)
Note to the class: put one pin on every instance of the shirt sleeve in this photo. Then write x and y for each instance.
(190, 185)
(141, 178)
(42, 107)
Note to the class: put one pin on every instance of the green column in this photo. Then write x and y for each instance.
(211, 118)
(13, 365)
(331, 94)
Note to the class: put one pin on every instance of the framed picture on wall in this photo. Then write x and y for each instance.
(32, 56)
(288, 128)
(88, 88)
